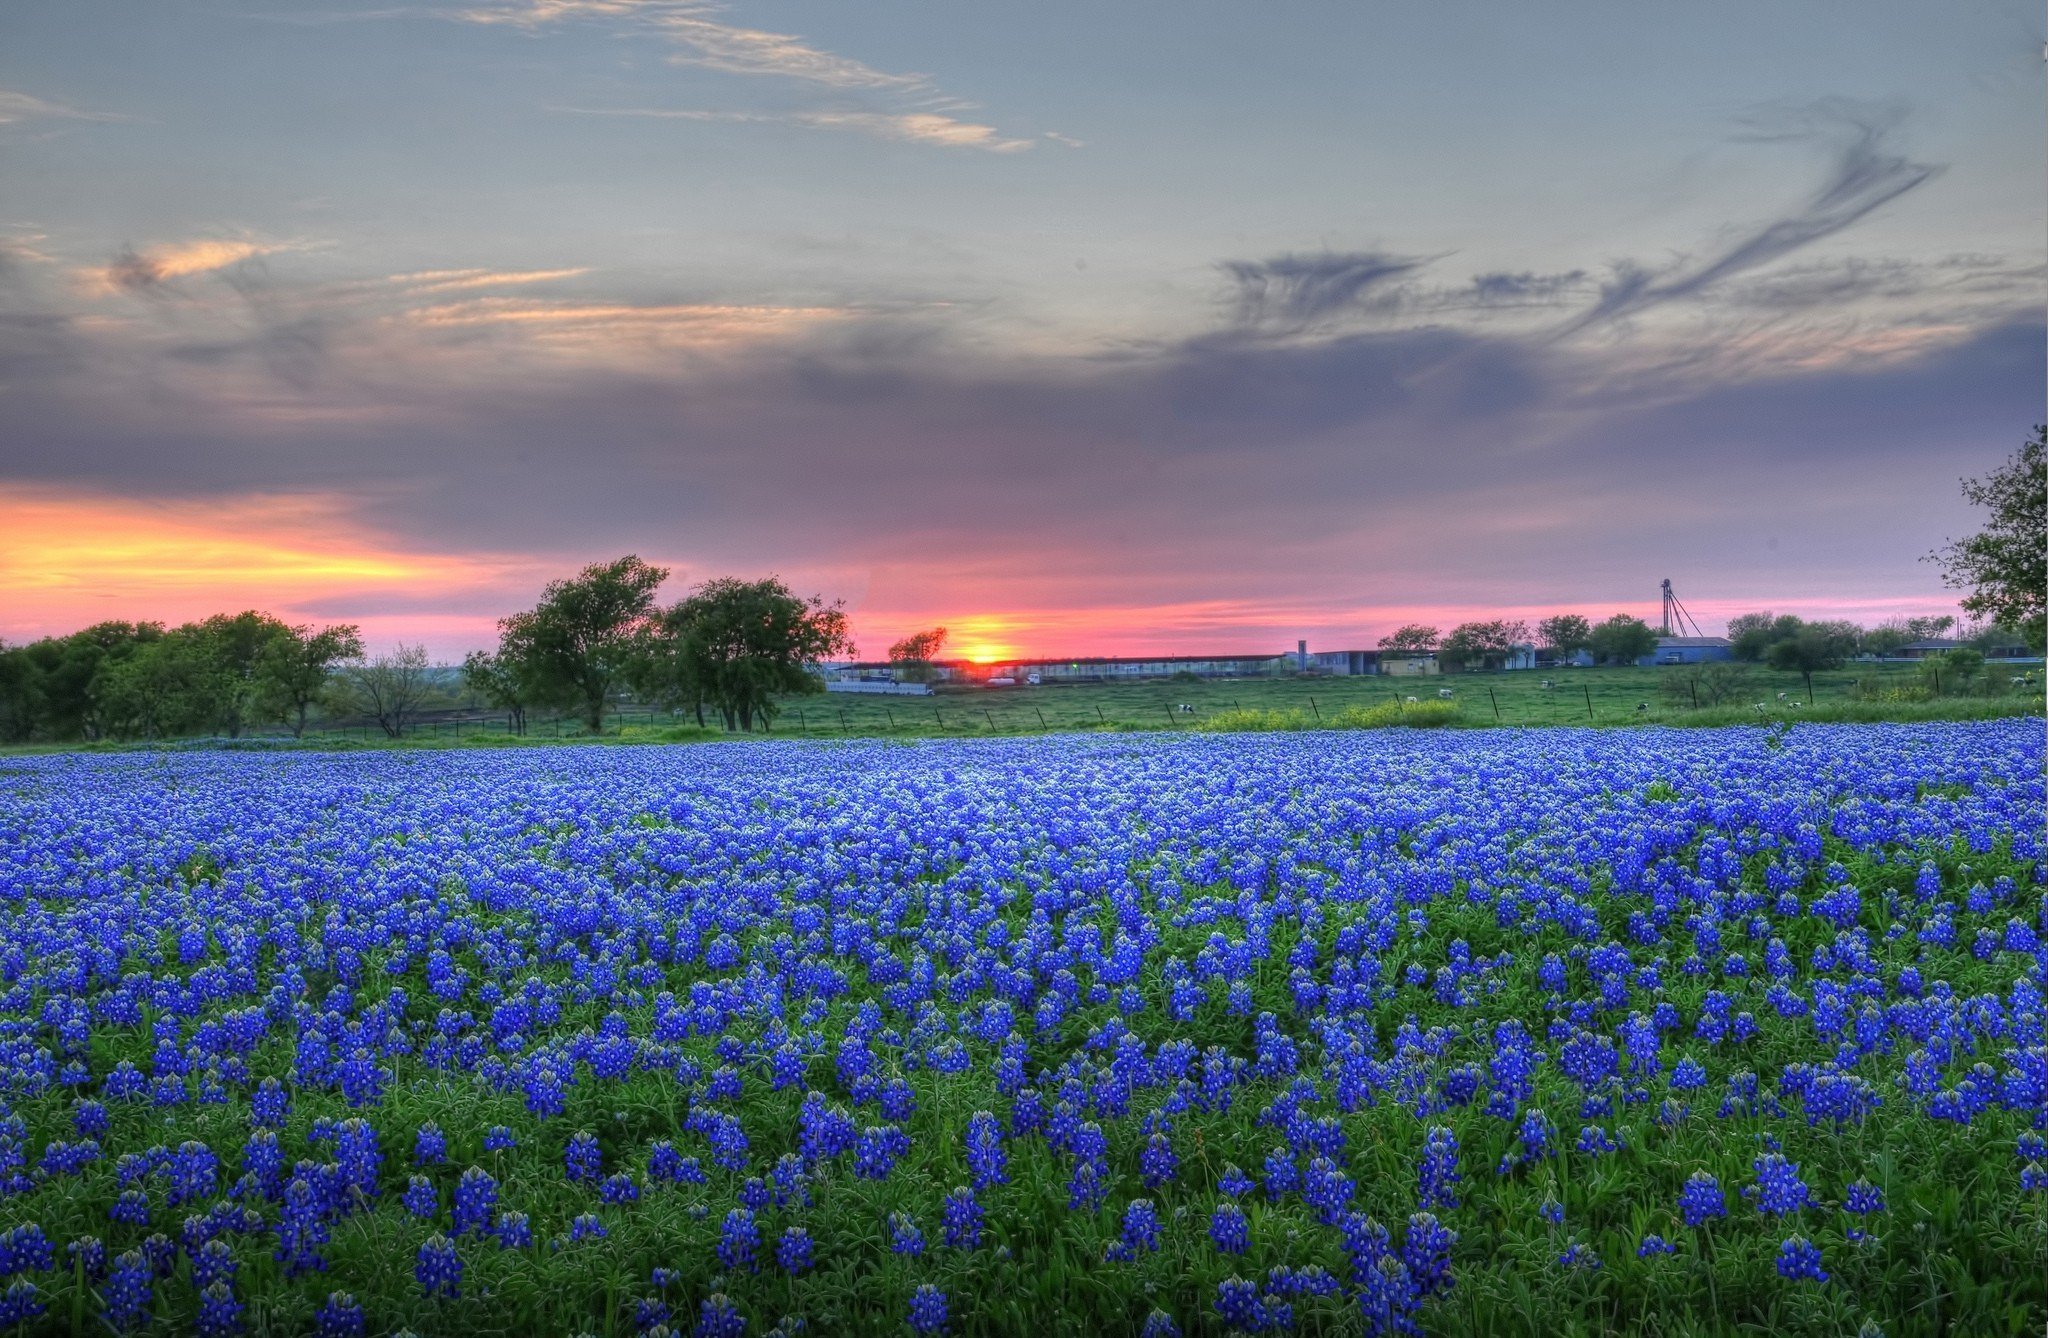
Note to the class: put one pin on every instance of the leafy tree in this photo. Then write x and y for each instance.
(1414, 639)
(294, 667)
(1931, 627)
(1752, 634)
(743, 643)
(231, 648)
(1487, 644)
(1621, 640)
(1813, 648)
(173, 684)
(913, 655)
(2004, 566)
(70, 672)
(1567, 633)
(584, 638)
(1887, 639)
(500, 680)
(21, 694)
(390, 689)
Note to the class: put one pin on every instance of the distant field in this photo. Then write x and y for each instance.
(1581, 696)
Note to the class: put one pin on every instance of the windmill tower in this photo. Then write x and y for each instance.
(1675, 620)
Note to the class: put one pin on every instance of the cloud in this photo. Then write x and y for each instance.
(915, 127)
(1865, 175)
(16, 106)
(1291, 292)
(144, 271)
(914, 110)
(462, 280)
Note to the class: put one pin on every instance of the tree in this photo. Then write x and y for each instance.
(294, 667)
(1807, 652)
(913, 655)
(1414, 639)
(232, 647)
(2004, 566)
(1887, 639)
(389, 689)
(21, 694)
(1621, 640)
(1752, 634)
(1928, 628)
(1566, 633)
(1487, 644)
(500, 680)
(742, 643)
(173, 684)
(584, 637)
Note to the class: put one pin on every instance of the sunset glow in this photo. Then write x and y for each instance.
(1207, 335)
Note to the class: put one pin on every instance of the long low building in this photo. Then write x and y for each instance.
(1114, 668)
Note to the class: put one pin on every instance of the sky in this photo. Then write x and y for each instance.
(1164, 326)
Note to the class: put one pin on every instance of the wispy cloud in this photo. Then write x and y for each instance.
(17, 106)
(1866, 174)
(1291, 292)
(146, 270)
(914, 109)
(465, 280)
(914, 127)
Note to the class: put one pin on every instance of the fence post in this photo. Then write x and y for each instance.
(1589, 699)
(1041, 716)
(940, 717)
(802, 723)
(1496, 705)
(892, 715)
(1312, 707)
(991, 719)
(843, 728)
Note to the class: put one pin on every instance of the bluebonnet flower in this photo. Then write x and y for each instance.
(905, 1236)
(127, 1292)
(962, 1217)
(1230, 1229)
(793, 1250)
(213, 1262)
(1655, 1245)
(340, 1317)
(514, 1231)
(738, 1239)
(220, 1314)
(1159, 1324)
(421, 1199)
(499, 1139)
(928, 1309)
(1778, 1190)
(476, 1198)
(429, 1146)
(1701, 1199)
(586, 1226)
(1235, 1183)
(1439, 1174)
(438, 1268)
(1579, 1255)
(1426, 1250)
(582, 1159)
(718, 1317)
(1799, 1258)
(20, 1303)
(1140, 1226)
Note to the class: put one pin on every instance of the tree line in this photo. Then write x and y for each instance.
(222, 675)
(729, 647)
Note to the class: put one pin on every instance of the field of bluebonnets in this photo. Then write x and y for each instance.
(1685, 1032)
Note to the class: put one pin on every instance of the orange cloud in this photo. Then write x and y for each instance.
(135, 271)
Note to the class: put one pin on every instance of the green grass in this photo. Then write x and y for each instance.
(1579, 697)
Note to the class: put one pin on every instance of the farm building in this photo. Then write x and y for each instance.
(1344, 663)
(1689, 650)
(1920, 650)
(1396, 664)
(1119, 669)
